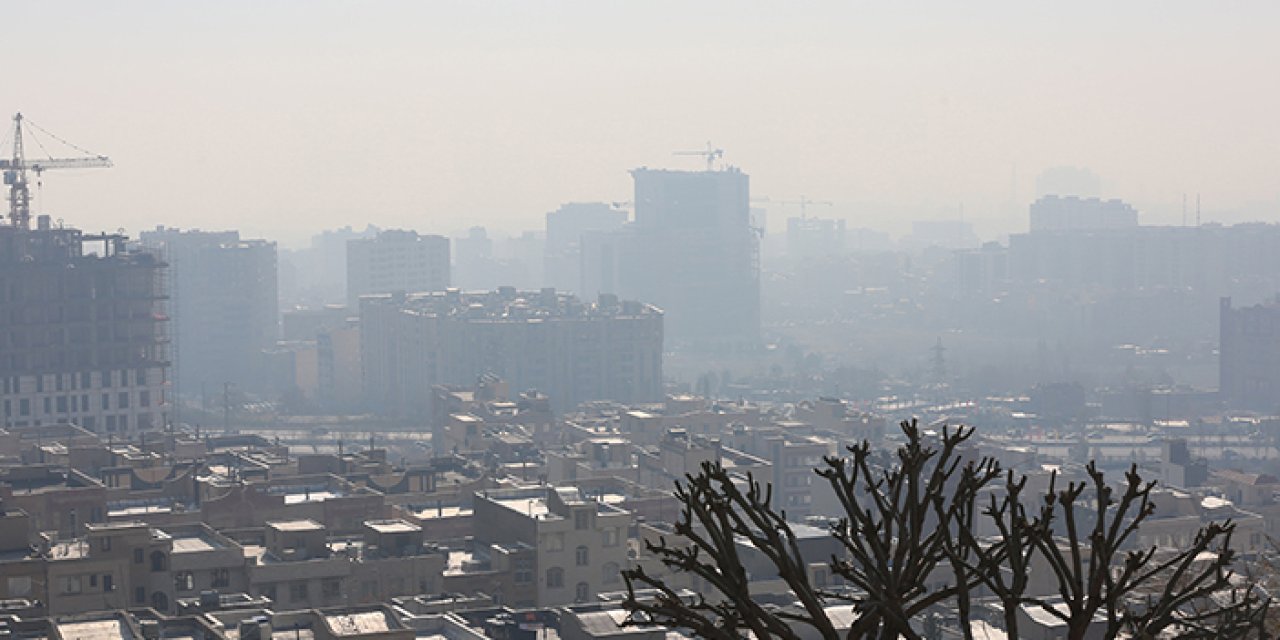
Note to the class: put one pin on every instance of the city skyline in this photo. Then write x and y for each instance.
(430, 111)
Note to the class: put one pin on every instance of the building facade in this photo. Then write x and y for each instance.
(224, 305)
(1055, 213)
(581, 543)
(566, 227)
(1249, 356)
(696, 255)
(552, 342)
(396, 260)
(83, 333)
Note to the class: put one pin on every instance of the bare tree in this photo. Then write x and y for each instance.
(897, 525)
(716, 514)
(908, 533)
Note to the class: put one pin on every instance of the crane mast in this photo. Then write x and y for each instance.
(711, 154)
(15, 173)
(804, 204)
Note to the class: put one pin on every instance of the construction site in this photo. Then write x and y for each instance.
(84, 336)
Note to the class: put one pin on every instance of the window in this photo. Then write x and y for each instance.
(221, 578)
(555, 542)
(580, 592)
(137, 556)
(107, 583)
(555, 577)
(71, 584)
(140, 595)
(611, 573)
(523, 571)
(19, 586)
(611, 537)
(184, 581)
(24, 406)
(582, 520)
(582, 555)
(269, 591)
(106, 544)
(298, 591)
(158, 561)
(93, 580)
(122, 400)
(331, 588)
(144, 398)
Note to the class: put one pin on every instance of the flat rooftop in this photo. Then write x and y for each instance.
(447, 511)
(360, 623)
(392, 526)
(108, 629)
(296, 526)
(532, 507)
(195, 543)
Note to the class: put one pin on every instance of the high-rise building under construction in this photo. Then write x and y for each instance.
(83, 334)
(695, 254)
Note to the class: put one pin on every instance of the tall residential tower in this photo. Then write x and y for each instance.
(225, 306)
(695, 255)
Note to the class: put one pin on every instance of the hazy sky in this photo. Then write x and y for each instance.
(282, 118)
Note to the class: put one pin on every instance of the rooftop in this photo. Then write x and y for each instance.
(359, 623)
(96, 628)
(195, 543)
(424, 512)
(295, 526)
(392, 526)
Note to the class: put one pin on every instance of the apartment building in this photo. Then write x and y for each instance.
(225, 306)
(567, 349)
(566, 227)
(581, 543)
(695, 254)
(83, 333)
(56, 499)
(299, 566)
(396, 260)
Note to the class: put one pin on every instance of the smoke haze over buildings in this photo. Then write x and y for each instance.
(282, 122)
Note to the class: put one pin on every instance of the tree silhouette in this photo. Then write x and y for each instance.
(909, 547)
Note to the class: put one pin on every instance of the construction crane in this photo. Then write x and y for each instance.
(16, 168)
(710, 153)
(804, 203)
